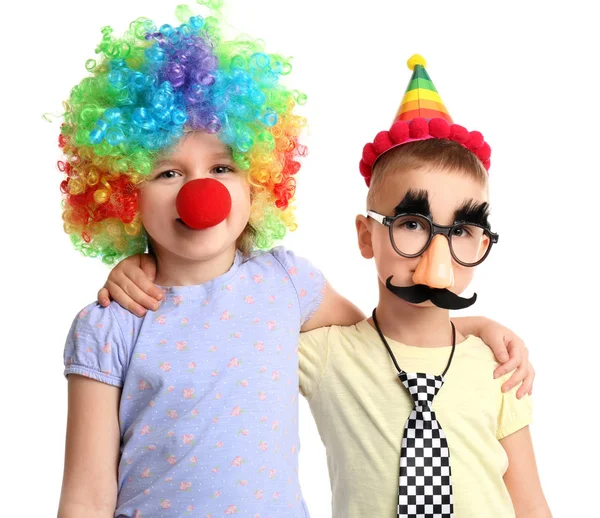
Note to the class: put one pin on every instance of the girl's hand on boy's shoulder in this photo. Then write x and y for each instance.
(511, 351)
(130, 284)
(519, 362)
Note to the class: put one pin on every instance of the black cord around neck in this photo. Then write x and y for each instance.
(400, 371)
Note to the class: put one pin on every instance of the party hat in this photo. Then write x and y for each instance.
(421, 98)
(422, 115)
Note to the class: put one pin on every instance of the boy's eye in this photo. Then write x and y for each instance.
(468, 231)
(412, 225)
(168, 174)
(221, 169)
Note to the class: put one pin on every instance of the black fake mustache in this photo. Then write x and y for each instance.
(442, 298)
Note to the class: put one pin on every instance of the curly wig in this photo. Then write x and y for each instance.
(147, 89)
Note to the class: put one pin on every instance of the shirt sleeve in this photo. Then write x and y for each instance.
(307, 280)
(514, 413)
(96, 347)
(313, 356)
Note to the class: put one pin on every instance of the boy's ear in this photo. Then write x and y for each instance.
(363, 232)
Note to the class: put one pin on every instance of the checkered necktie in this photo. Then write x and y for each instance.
(425, 486)
(425, 489)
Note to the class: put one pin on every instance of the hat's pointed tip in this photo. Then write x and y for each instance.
(416, 59)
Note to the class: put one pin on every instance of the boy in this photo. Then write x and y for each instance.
(463, 447)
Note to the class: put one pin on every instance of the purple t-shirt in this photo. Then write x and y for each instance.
(209, 404)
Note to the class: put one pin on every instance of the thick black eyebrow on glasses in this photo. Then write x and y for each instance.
(473, 212)
(414, 202)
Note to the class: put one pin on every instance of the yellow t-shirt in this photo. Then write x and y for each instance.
(360, 407)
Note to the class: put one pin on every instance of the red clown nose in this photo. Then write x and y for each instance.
(203, 203)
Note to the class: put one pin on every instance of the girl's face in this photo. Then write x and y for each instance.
(197, 155)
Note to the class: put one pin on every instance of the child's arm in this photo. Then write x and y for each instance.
(130, 283)
(508, 348)
(92, 450)
(334, 310)
(522, 479)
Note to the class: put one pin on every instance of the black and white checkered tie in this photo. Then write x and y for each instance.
(425, 485)
(425, 488)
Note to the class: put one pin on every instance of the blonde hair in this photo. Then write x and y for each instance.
(439, 153)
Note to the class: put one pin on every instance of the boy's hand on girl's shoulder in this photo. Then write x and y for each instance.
(130, 283)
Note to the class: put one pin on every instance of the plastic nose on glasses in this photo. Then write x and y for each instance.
(203, 203)
(435, 265)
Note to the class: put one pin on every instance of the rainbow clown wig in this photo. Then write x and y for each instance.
(147, 89)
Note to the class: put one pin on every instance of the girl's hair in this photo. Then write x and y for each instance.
(440, 153)
(149, 87)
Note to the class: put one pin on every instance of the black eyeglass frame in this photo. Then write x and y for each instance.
(434, 229)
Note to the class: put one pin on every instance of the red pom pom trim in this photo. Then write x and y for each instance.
(439, 128)
(399, 132)
(369, 154)
(459, 134)
(475, 141)
(484, 152)
(382, 142)
(365, 169)
(419, 128)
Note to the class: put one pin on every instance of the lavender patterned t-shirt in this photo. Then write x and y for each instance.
(209, 404)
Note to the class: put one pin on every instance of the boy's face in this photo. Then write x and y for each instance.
(439, 195)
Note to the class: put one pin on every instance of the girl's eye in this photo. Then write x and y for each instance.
(168, 175)
(221, 169)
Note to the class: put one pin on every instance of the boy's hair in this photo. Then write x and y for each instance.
(145, 91)
(439, 153)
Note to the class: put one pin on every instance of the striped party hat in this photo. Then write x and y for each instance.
(421, 116)
(421, 98)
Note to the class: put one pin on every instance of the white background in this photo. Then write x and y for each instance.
(524, 73)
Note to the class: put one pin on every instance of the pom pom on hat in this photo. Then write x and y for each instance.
(439, 128)
(484, 153)
(459, 134)
(365, 169)
(475, 141)
(414, 60)
(419, 128)
(369, 154)
(399, 132)
(382, 142)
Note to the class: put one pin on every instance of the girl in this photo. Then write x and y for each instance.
(185, 143)
(192, 409)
